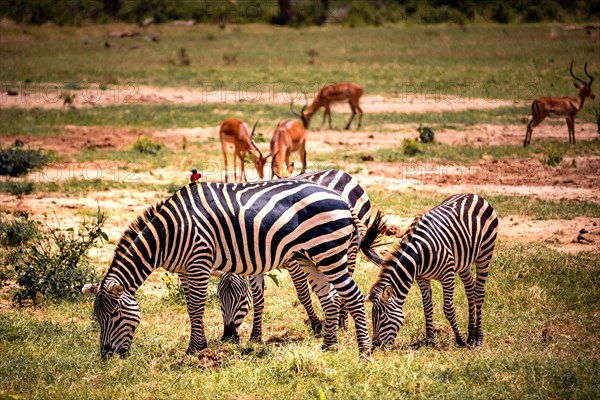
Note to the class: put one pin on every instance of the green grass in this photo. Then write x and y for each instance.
(491, 61)
(541, 340)
(411, 204)
(468, 153)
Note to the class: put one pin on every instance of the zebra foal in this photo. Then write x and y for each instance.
(439, 244)
(248, 229)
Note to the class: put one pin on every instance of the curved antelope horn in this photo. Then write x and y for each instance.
(573, 75)
(588, 75)
(292, 110)
(254, 128)
(305, 103)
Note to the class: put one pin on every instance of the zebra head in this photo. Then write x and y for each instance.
(118, 313)
(235, 303)
(387, 316)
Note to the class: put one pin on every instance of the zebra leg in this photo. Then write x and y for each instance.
(257, 288)
(482, 274)
(327, 298)
(300, 283)
(425, 286)
(343, 321)
(469, 283)
(448, 287)
(196, 298)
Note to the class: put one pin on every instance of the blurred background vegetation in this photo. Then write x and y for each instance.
(298, 12)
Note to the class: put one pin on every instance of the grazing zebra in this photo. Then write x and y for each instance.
(233, 289)
(247, 228)
(439, 244)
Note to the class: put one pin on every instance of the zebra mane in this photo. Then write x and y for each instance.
(136, 227)
(395, 252)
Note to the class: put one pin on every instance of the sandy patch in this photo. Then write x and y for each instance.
(56, 96)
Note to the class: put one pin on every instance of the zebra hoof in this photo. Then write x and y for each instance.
(317, 328)
(192, 351)
(461, 342)
(256, 339)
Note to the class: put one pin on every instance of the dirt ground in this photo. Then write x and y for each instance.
(53, 96)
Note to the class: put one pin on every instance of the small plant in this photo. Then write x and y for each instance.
(17, 161)
(185, 144)
(175, 291)
(597, 112)
(184, 59)
(229, 58)
(426, 134)
(46, 263)
(146, 145)
(17, 188)
(410, 147)
(552, 156)
(312, 56)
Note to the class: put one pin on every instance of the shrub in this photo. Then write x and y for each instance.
(426, 134)
(175, 291)
(502, 13)
(410, 147)
(17, 188)
(18, 232)
(17, 161)
(146, 145)
(361, 13)
(552, 156)
(47, 263)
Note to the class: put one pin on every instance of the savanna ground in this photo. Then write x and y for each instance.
(472, 85)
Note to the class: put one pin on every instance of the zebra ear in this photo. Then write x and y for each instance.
(88, 288)
(388, 293)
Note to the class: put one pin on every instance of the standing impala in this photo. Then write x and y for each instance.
(560, 107)
(236, 132)
(330, 94)
(289, 136)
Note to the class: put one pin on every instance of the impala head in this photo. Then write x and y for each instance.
(118, 314)
(304, 114)
(585, 87)
(260, 161)
(387, 316)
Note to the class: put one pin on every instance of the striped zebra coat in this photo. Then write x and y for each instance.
(233, 289)
(439, 244)
(247, 229)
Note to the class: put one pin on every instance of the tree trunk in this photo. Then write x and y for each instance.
(285, 11)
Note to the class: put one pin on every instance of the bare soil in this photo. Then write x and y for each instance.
(53, 96)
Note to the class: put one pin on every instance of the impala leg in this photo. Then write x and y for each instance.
(325, 116)
(571, 127)
(351, 117)
(288, 164)
(360, 115)
(224, 148)
(303, 156)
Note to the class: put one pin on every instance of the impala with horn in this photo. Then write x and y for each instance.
(331, 94)
(289, 136)
(561, 106)
(236, 132)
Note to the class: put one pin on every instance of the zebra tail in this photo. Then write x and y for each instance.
(371, 239)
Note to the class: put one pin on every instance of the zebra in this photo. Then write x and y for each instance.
(233, 289)
(439, 244)
(244, 228)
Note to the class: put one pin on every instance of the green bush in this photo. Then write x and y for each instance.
(175, 291)
(17, 161)
(361, 13)
(146, 145)
(46, 263)
(552, 156)
(502, 13)
(410, 147)
(17, 188)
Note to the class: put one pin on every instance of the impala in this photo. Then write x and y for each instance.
(330, 94)
(289, 136)
(236, 132)
(560, 107)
